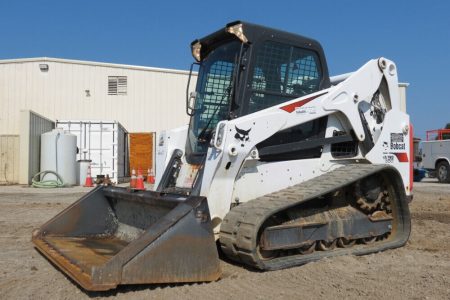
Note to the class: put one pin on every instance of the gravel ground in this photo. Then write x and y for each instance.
(420, 270)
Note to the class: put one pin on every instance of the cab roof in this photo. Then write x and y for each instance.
(254, 33)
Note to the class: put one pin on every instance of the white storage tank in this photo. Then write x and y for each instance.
(58, 154)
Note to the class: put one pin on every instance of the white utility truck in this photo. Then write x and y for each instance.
(436, 154)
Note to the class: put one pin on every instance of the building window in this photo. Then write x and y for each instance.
(117, 85)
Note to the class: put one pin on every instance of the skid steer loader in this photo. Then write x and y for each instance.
(280, 165)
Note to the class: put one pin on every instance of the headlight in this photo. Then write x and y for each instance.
(238, 31)
(213, 139)
(219, 136)
(196, 48)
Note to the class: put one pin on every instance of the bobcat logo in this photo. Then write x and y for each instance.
(241, 134)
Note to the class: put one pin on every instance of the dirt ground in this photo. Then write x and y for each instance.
(420, 270)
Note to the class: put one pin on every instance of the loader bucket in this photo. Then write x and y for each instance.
(114, 236)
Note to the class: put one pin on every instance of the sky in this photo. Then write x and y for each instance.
(414, 34)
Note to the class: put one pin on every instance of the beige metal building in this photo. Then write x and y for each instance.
(142, 99)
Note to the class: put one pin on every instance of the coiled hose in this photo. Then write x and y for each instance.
(37, 183)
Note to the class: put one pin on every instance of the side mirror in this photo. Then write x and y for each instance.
(190, 97)
(190, 103)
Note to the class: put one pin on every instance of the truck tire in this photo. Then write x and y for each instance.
(443, 172)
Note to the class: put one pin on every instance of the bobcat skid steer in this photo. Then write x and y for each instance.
(280, 165)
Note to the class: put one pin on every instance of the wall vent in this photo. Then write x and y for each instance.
(117, 85)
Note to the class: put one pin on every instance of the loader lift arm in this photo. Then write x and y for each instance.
(268, 122)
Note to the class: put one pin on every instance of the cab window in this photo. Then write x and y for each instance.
(282, 72)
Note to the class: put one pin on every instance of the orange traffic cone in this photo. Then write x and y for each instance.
(150, 176)
(140, 181)
(133, 179)
(88, 182)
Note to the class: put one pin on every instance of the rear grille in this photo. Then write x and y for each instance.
(345, 149)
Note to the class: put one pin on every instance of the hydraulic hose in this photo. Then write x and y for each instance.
(37, 183)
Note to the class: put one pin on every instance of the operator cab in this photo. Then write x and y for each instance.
(245, 68)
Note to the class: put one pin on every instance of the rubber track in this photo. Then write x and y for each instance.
(240, 227)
